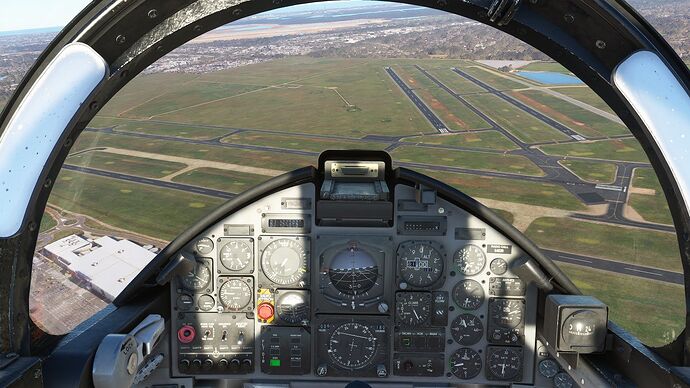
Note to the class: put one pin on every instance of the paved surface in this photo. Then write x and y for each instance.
(426, 111)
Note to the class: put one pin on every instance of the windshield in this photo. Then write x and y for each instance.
(445, 96)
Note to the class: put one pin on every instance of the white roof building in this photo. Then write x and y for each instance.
(107, 265)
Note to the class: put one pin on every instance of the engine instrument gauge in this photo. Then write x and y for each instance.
(465, 363)
(284, 261)
(467, 329)
(236, 255)
(352, 345)
(563, 380)
(353, 271)
(507, 313)
(498, 266)
(204, 246)
(470, 260)
(420, 264)
(412, 308)
(235, 294)
(198, 279)
(548, 368)
(468, 294)
(504, 363)
(293, 306)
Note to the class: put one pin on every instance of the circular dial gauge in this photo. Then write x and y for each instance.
(498, 266)
(505, 363)
(507, 313)
(548, 368)
(563, 380)
(412, 308)
(198, 279)
(467, 329)
(465, 363)
(235, 294)
(284, 261)
(352, 345)
(353, 271)
(469, 260)
(236, 255)
(292, 307)
(204, 246)
(420, 264)
(468, 294)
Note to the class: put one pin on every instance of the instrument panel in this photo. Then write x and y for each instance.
(274, 296)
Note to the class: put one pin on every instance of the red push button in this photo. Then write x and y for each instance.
(265, 311)
(186, 334)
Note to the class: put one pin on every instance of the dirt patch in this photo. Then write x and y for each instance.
(639, 190)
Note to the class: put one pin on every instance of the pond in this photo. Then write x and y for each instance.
(550, 77)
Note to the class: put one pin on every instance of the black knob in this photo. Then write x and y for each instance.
(208, 364)
(408, 365)
(235, 365)
(247, 365)
(183, 364)
(223, 364)
(196, 364)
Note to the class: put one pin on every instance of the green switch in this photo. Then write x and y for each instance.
(275, 362)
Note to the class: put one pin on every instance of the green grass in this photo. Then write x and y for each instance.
(652, 311)
(585, 95)
(187, 131)
(594, 172)
(580, 120)
(458, 84)
(311, 105)
(635, 246)
(467, 159)
(150, 168)
(491, 140)
(546, 66)
(653, 208)
(519, 123)
(47, 222)
(620, 149)
(156, 212)
(226, 180)
(492, 79)
(510, 190)
(297, 142)
(263, 159)
(508, 216)
(455, 115)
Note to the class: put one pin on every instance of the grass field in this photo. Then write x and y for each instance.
(521, 124)
(132, 165)
(449, 78)
(457, 116)
(300, 142)
(264, 159)
(156, 212)
(585, 95)
(580, 120)
(546, 66)
(635, 246)
(47, 222)
(652, 311)
(187, 131)
(510, 190)
(652, 208)
(594, 172)
(467, 159)
(491, 78)
(226, 180)
(491, 140)
(619, 149)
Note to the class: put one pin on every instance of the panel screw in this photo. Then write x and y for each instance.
(120, 39)
(197, 28)
(153, 14)
(601, 44)
(94, 105)
(238, 12)
(32, 227)
(569, 18)
(48, 183)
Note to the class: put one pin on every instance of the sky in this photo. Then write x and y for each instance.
(29, 14)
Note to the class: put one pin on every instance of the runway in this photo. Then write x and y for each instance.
(435, 121)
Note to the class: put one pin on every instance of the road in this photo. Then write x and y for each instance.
(435, 121)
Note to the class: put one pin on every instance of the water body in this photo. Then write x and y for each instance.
(550, 77)
(249, 27)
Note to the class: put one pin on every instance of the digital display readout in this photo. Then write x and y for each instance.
(285, 223)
